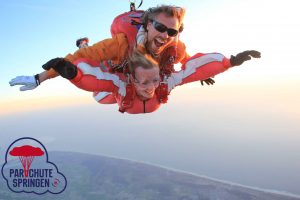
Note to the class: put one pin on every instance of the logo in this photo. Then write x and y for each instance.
(27, 169)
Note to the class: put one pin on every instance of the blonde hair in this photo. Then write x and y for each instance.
(137, 59)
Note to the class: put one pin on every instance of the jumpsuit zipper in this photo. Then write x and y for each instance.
(144, 102)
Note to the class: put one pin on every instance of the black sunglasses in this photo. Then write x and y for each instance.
(162, 28)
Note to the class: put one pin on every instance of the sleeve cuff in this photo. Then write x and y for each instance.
(78, 76)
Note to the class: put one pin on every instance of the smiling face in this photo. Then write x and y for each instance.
(156, 40)
(145, 82)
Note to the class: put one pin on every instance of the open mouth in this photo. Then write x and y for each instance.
(158, 42)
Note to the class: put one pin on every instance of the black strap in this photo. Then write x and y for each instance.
(132, 5)
(140, 3)
(37, 79)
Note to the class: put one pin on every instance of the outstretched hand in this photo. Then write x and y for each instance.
(243, 56)
(27, 82)
(208, 81)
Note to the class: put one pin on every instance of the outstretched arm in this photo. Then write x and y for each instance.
(183, 56)
(87, 75)
(203, 66)
(109, 49)
(31, 82)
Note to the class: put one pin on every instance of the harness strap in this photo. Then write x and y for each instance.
(167, 60)
(162, 92)
(132, 5)
(127, 101)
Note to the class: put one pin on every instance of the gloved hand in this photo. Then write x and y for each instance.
(244, 56)
(208, 81)
(28, 82)
(63, 67)
(82, 42)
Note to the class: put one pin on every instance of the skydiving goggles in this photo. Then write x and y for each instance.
(162, 28)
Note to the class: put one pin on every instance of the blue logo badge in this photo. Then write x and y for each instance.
(27, 169)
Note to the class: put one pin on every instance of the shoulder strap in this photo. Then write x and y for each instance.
(127, 101)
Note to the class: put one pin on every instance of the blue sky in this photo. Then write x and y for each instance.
(35, 31)
(255, 106)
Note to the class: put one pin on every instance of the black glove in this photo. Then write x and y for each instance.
(208, 81)
(63, 67)
(244, 56)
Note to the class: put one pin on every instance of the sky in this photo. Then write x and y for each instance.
(243, 129)
(35, 32)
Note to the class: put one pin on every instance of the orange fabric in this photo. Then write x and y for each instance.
(114, 49)
(182, 55)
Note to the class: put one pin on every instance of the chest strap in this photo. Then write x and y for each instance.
(127, 101)
(162, 92)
